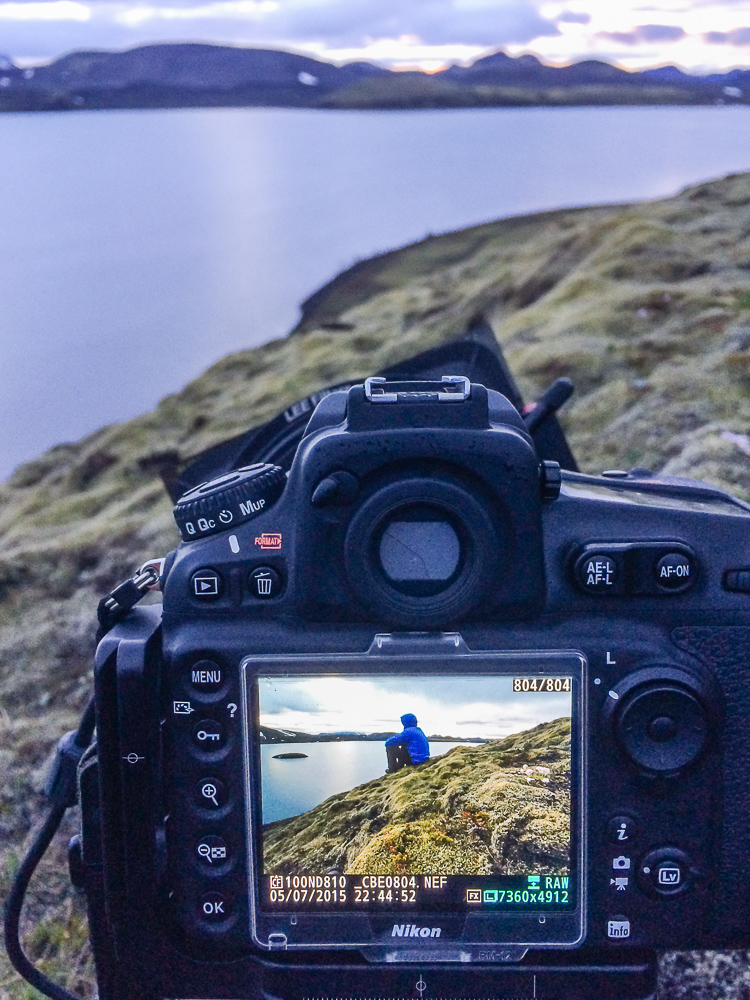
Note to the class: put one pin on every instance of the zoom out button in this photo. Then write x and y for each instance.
(212, 851)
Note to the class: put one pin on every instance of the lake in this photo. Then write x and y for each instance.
(140, 246)
(291, 787)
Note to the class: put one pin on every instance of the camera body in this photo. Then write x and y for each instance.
(577, 648)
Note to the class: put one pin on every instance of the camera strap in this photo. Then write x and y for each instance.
(118, 602)
(61, 789)
(475, 355)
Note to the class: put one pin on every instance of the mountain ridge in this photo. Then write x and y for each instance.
(184, 74)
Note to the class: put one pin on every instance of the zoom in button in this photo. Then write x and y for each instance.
(210, 793)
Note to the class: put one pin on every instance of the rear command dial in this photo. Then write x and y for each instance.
(226, 502)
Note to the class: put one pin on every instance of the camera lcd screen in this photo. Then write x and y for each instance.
(415, 792)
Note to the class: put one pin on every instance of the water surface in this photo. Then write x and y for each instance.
(291, 787)
(140, 246)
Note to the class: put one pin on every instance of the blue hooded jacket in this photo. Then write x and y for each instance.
(412, 738)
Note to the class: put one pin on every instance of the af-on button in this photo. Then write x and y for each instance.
(674, 572)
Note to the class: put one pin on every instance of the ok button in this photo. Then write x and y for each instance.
(214, 906)
(208, 735)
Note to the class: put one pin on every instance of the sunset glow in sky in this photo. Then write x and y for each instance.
(696, 35)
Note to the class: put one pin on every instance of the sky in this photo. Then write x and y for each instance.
(464, 706)
(697, 35)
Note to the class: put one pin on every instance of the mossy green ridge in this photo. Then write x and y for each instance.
(502, 807)
(406, 91)
(645, 306)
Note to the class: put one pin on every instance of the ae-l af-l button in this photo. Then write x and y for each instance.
(598, 573)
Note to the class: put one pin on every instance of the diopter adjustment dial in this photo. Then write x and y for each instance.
(230, 500)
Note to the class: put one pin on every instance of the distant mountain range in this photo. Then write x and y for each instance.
(193, 74)
(269, 735)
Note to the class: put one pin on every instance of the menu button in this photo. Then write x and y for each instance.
(206, 676)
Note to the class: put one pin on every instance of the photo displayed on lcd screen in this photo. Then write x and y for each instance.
(430, 791)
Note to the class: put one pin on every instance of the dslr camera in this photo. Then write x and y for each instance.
(424, 716)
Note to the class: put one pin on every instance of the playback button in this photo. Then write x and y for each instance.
(206, 584)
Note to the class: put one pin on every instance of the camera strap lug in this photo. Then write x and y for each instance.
(115, 605)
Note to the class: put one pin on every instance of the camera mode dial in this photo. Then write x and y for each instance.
(225, 503)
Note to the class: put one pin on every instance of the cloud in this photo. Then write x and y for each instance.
(452, 706)
(229, 9)
(738, 36)
(438, 22)
(570, 17)
(47, 10)
(645, 34)
(387, 30)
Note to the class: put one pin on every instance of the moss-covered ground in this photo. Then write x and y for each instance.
(645, 306)
(501, 807)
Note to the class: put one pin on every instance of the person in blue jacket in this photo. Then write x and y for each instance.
(407, 748)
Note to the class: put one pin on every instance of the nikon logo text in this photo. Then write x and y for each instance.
(411, 930)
